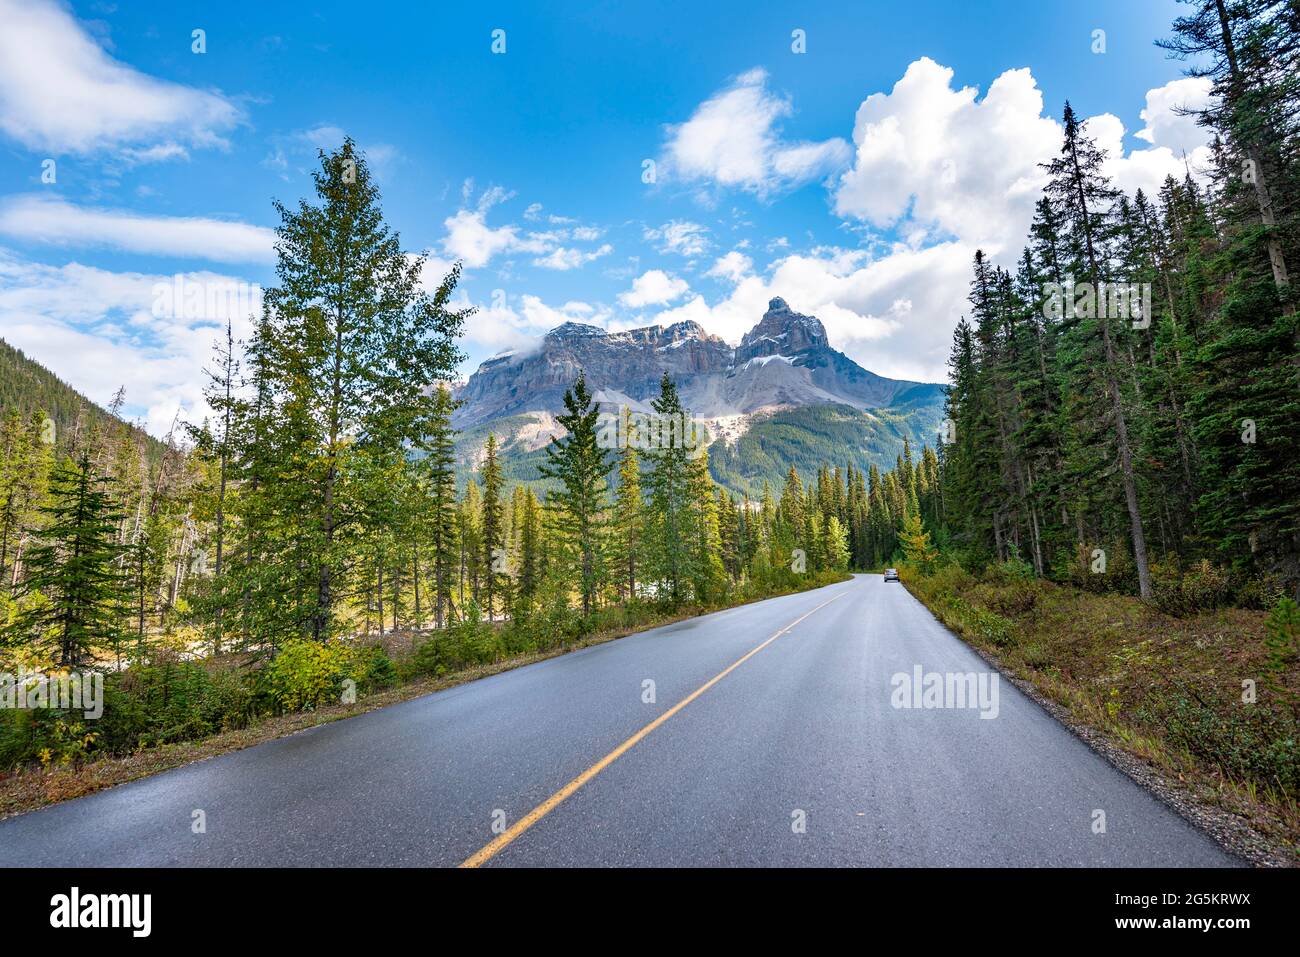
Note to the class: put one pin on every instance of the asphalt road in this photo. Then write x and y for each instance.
(795, 756)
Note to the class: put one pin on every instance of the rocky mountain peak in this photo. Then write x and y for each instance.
(686, 329)
(575, 330)
(782, 332)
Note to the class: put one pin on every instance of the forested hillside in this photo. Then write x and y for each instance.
(808, 438)
(27, 388)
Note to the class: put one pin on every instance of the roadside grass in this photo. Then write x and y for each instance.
(29, 787)
(1166, 690)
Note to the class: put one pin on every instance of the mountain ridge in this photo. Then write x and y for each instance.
(783, 367)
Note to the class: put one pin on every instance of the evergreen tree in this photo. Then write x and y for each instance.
(1080, 190)
(439, 465)
(354, 343)
(76, 592)
(915, 542)
(669, 556)
(627, 525)
(493, 526)
(578, 464)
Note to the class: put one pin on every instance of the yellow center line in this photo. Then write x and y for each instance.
(491, 850)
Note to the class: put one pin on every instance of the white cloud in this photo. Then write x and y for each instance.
(734, 266)
(470, 239)
(937, 158)
(679, 236)
(98, 330)
(892, 315)
(500, 327)
(732, 140)
(653, 288)
(1164, 124)
(964, 167)
(61, 92)
(159, 153)
(1147, 169)
(40, 219)
(949, 172)
(563, 258)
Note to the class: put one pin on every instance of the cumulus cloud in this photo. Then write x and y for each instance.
(470, 239)
(653, 288)
(49, 220)
(733, 267)
(60, 91)
(1166, 124)
(1178, 144)
(961, 166)
(733, 140)
(939, 159)
(892, 315)
(500, 326)
(948, 172)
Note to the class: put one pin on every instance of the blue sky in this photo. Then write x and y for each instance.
(855, 179)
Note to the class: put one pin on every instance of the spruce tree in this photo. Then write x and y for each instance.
(628, 519)
(579, 465)
(669, 555)
(493, 526)
(437, 440)
(77, 595)
(354, 343)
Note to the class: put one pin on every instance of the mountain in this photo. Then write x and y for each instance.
(26, 386)
(783, 396)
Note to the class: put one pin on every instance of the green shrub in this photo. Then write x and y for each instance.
(378, 670)
(1013, 571)
(45, 736)
(474, 640)
(429, 657)
(1281, 639)
(1249, 742)
(1259, 592)
(1202, 587)
(307, 674)
(1036, 655)
(172, 700)
(991, 626)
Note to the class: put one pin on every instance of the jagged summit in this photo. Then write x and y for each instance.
(570, 330)
(782, 332)
(783, 392)
(784, 361)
